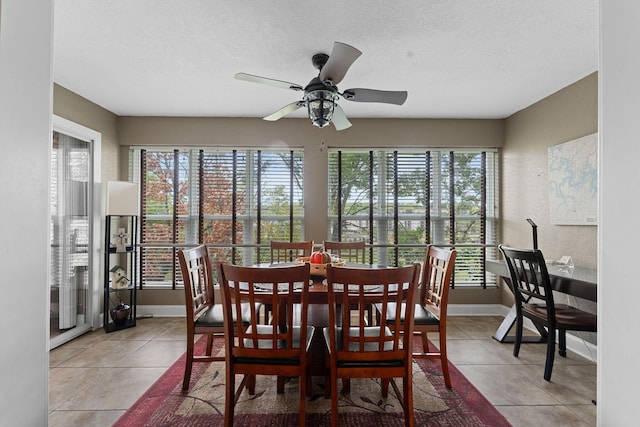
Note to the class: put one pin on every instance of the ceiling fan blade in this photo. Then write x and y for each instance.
(339, 119)
(341, 58)
(272, 82)
(289, 108)
(373, 95)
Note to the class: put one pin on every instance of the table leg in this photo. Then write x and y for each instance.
(318, 316)
(507, 324)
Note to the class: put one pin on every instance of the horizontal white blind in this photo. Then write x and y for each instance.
(399, 201)
(234, 201)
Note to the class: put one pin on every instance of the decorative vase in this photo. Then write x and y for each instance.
(120, 313)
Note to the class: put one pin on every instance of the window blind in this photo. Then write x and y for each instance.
(234, 201)
(399, 201)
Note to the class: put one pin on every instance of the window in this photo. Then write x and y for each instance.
(234, 201)
(398, 201)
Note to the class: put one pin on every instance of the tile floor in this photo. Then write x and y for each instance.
(94, 378)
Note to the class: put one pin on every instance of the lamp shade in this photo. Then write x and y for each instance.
(122, 198)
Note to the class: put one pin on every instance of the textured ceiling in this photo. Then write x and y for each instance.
(456, 58)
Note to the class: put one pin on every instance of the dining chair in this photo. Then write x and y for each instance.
(353, 252)
(282, 251)
(286, 252)
(347, 251)
(359, 350)
(203, 315)
(280, 348)
(430, 312)
(533, 293)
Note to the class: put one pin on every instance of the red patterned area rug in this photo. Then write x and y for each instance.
(164, 404)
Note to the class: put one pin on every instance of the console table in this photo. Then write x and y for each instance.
(576, 281)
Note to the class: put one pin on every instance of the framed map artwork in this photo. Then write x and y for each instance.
(573, 182)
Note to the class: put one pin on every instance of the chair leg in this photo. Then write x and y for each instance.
(407, 396)
(230, 398)
(518, 340)
(303, 399)
(334, 396)
(384, 385)
(280, 384)
(188, 365)
(551, 352)
(309, 387)
(251, 384)
(346, 385)
(209, 344)
(327, 379)
(562, 342)
(425, 342)
(443, 358)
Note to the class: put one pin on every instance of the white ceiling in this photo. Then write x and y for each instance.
(456, 58)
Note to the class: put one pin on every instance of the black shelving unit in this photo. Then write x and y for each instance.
(120, 272)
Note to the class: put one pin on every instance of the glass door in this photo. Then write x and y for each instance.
(71, 237)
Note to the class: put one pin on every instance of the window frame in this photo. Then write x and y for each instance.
(381, 219)
(262, 181)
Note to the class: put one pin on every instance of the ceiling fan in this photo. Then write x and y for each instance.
(321, 94)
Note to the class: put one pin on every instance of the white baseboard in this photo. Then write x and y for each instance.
(454, 310)
(477, 310)
(585, 349)
(160, 311)
(575, 344)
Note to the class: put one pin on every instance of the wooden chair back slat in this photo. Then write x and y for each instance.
(289, 251)
(347, 251)
(437, 272)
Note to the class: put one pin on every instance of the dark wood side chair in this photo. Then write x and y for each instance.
(533, 293)
(289, 251)
(357, 350)
(347, 251)
(204, 316)
(430, 313)
(350, 252)
(280, 348)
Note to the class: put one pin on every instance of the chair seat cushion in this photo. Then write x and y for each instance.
(280, 344)
(271, 361)
(369, 331)
(422, 315)
(214, 317)
(565, 315)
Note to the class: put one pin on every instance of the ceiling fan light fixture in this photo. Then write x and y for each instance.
(320, 106)
(321, 94)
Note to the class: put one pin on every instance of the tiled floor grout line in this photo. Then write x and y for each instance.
(76, 400)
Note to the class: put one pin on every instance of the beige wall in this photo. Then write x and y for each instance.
(73, 107)
(566, 115)
(299, 133)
